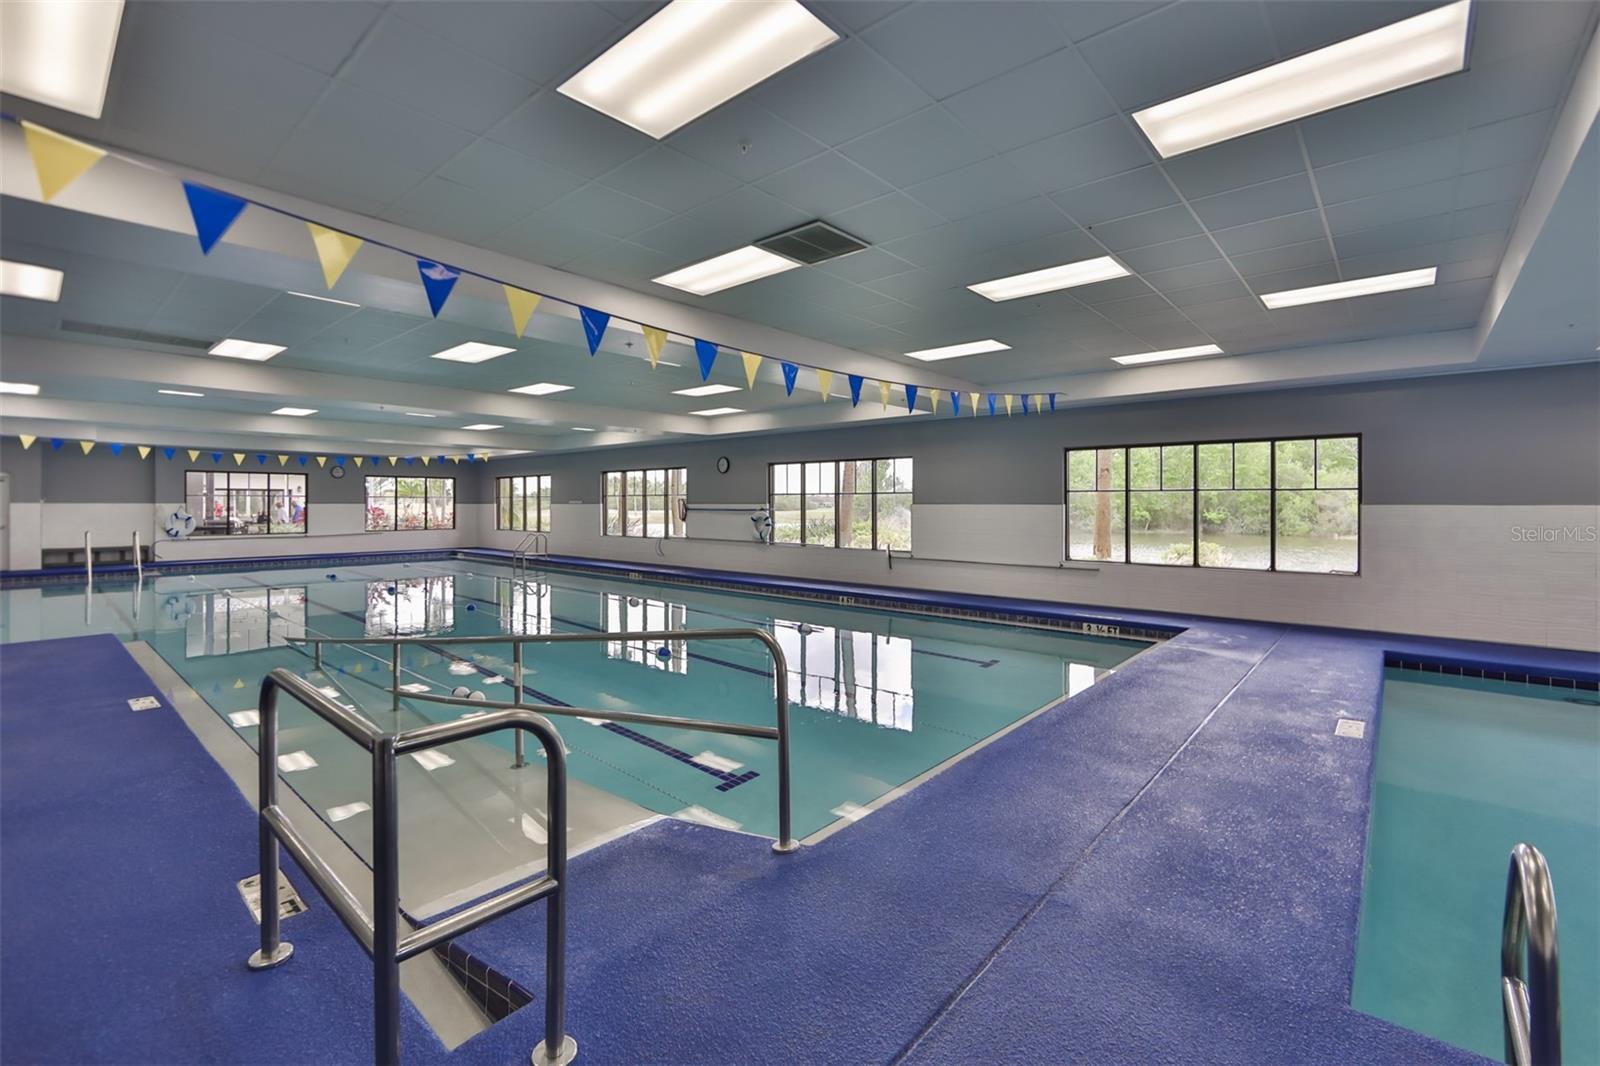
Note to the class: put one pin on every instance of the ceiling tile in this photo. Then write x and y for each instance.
(1080, 156)
(1166, 256)
(449, 209)
(1048, 96)
(856, 15)
(547, 238)
(1177, 279)
(948, 47)
(1133, 193)
(869, 264)
(1153, 227)
(1393, 237)
(1230, 289)
(1416, 201)
(1483, 218)
(1315, 252)
(1281, 196)
(1488, 186)
(1200, 43)
(915, 148)
(1506, 141)
(1249, 160)
(1083, 19)
(1324, 273)
(840, 93)
(887, 218)
(744, 141)
(493, 168)
(564, 133)
(541, 42)
(958, 242)
(986, 184)
(605, 210)
(1305, 27)
(1412, 164)
(824, 184)
(1423, 112)
(1504, 28)
(318, 35)
(1535, 81)
(667, 178)
(384, 133)
(1254, 236)
(731, 221)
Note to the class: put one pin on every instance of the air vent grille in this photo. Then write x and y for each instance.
(815, 242)
(166, 340)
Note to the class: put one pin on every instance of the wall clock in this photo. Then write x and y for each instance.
(337, 472)
(723, 464)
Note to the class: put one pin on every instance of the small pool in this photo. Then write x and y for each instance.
(1466, 768)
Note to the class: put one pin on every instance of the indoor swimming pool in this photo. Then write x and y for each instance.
(1466, 768)
(877, 698)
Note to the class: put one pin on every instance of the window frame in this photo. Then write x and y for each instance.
(395, 497)
(871, 494)
(1272, 489)
(666, 496)
(542, 489)
(227, 492)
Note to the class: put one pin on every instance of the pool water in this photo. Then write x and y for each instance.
(877, 698)
(1466, 768)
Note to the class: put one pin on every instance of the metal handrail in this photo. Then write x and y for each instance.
(527, 547)
(1532, 1003)
(780, 672)
(379, 934)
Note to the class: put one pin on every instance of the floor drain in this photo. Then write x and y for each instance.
(1353, 728)
(289, 901)
(143, 703)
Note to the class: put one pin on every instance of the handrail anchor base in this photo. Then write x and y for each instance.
(568, 1052)
(258, 961)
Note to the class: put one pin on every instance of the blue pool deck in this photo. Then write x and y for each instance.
(1167, 868)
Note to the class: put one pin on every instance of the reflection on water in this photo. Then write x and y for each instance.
(410, 606)
(865, 676)
(524, 606)
(221, 623)
(632, 614)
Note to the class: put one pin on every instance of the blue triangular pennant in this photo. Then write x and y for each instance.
(991, 405)
(472, 457)
(1025, 403)
(594, 326)
(411, 460)
(911, 397)
(706, 352)
(55, 444)
(438, 280)
(169, 452)
(338, 460)
(261, 459)
(116, 449)
(790, 372)
(213, 213)
(216, 457)
(303, 459)
(955, 403)
(373, 459)
(1052, 401)
(855, 389)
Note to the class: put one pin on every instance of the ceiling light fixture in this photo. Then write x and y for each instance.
(482, 427)
(1066, 276)
(1167, 355)
(419, 414)
(1344, 290)
(582, 429)
(712, 411)
(29, 281)
(255, 351)
(473, 352)
(59, 53)
(955, 351)
(321, 299)
(1417, 49)
(179, 392)
(727, 270)
(541, 388)
(17, 388)
(693, 55)
(295, 412)
(706, 390)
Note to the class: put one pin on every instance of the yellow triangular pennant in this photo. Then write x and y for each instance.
(86, 445)
(322, 460)
(974, 398)
(456, 459)
(27, 440)
(883, 393)
(58, 161)
(144, 451)
(1038, 403)
(194, 454)
(654, 340)
(334, 251)
(933, 399)
(424, 460)
(358, 462)
(522, 305)
(752, 363)
(283, 460)
(238, 458)
(825, 383)
(1008, 405)
(393, 459)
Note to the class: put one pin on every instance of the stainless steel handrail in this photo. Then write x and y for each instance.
(780, 672)
(1532, 1003)
(379, 934)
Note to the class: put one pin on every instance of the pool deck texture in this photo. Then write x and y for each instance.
(1167, 868)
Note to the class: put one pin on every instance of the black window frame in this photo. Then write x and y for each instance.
(394, 503)
(228, 493)
(669, 512)
(543, 488)
(1272, 489)
(872, 494)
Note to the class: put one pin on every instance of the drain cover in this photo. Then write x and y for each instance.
(143, 703)
(1350, 727)
(289, 901)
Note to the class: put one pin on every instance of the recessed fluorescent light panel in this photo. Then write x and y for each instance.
(1425, 46)
(725, 271)
(321, 299)
(1066, 276)
(472, 352)
(255, 351)
(482, 426)
(17, 388)
(295, 412)
(29, 281)
(59, 52)
(542, 388)
(955, 351)
(179, 392)
(583, 429)
(1344, 290)
(1167, 355)
(710, 411)
(419, 414)
(693, 55)
(705, 390)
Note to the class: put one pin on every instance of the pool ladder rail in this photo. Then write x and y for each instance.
(534, 545)
(1531, 998)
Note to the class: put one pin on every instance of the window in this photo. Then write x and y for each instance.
(645, 503)
(411, 503)
(523, 503)
(848, 503)
(631, 614)
(1287, 505)
(237, 501)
